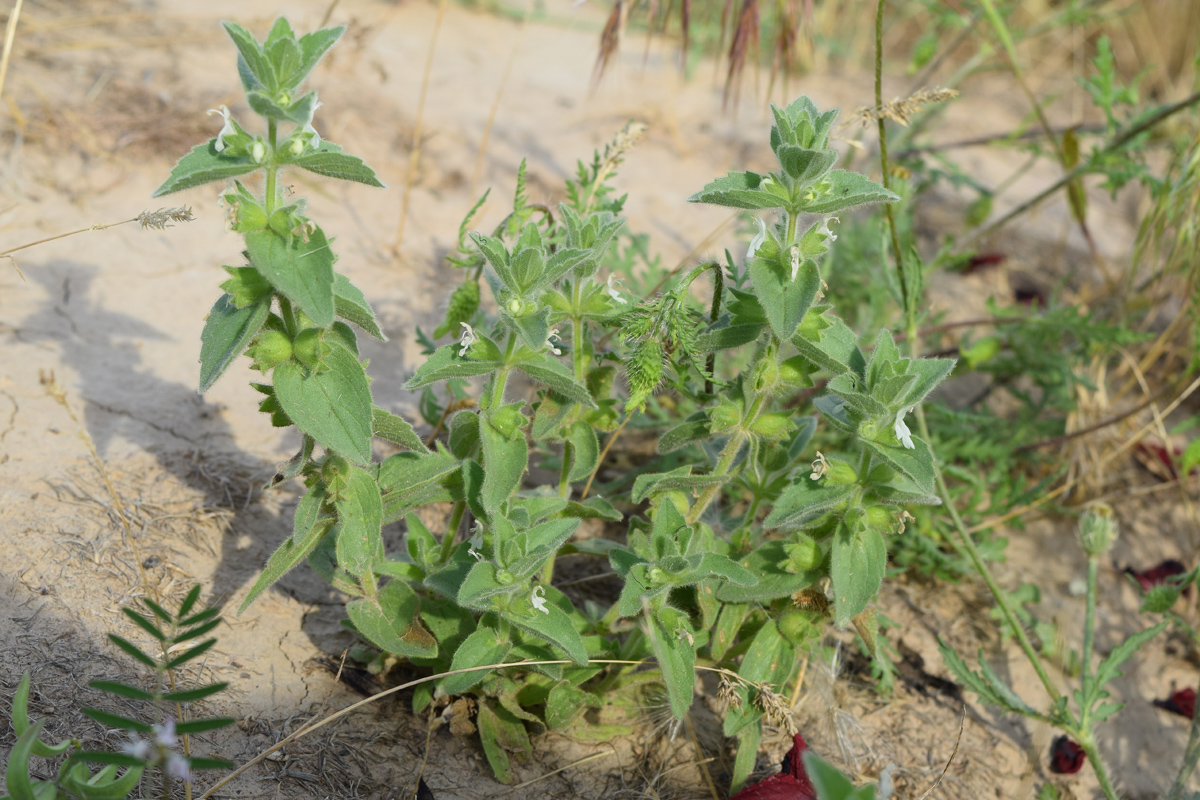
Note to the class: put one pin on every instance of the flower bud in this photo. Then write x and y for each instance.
(504, 576)
(296, 147)
(307, 347)
(803, 554)
(773, 426)
(1097, 530)
(796, 627)
(884, 518)
(258, 151)
(514, 306)
(839, 473)
(335, 473)
(270, 349)
(724, 417)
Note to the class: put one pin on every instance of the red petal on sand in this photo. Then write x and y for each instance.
(1182, 702)
(791, 784)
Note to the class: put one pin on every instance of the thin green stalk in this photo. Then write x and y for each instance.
(577, 331)
(724, 463)
(1089, 623)
(500, 382)
(456, 516)
(968, 544)
(272, 169)
(564, 475)
(1088, 743)
(1191, 755)
(289, 316)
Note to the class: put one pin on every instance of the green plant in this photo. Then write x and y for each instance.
(176, 636)
(699, 582)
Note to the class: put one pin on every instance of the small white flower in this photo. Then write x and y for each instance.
(758, 239)
(177, 767)
(825, 228)
(613, 283)
(308, 128)
(795, 256)
(468, 338)
(552, 335)
(138, 748)
(902, 431)
(684, 633)
(227, 130)
(538, 598)
(478, 555)
(819, 467)
(164, 735)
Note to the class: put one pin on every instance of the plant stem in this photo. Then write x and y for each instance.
(272, 169)
(577, 331)
(289, 316)
(1190, 756)
(968, 543)
(723, 464)
(564, 479)
(1089, 627)
(1088, 743)
(456, 516)
(883, 154)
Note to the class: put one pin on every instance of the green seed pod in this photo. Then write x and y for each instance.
(803, 554)
(270, 349)
(248, 217)
(509, 420)
(308, 348)
(884, 518)
(794, 372)
(773, 426)
(724, 417)
(839, 473)
(796, 627)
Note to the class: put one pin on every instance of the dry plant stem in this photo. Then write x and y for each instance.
(607, 446)
(552, 773)
(477, 175)
(883, 154)
(1079, 171)
(700, 764)
(415, 156)
(1130, 442)
(10, 34)
(8, 253)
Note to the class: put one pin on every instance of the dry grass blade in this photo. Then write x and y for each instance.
(610, 40)
(10, 33)
(415, 156)
(962, 724)
(745, 39)
(554, 772)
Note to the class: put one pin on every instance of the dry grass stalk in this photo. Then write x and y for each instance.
(415, 156)
(901, 110)
(610, 40)
(745, 41)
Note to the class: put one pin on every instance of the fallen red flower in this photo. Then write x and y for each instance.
(1156, 575)
(1066, 757)
(1182, 702)
(790, 784)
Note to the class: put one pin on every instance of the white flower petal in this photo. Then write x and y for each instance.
(538, 598)
(758, 239)
(613, 281)
(902, 431)
(468, 339)
(226, 130)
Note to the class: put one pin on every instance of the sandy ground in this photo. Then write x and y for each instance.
(103, 96)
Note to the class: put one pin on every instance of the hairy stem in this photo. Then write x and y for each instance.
(1089, 625)
(272, 169)
(456, 516)
(1088, 743)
